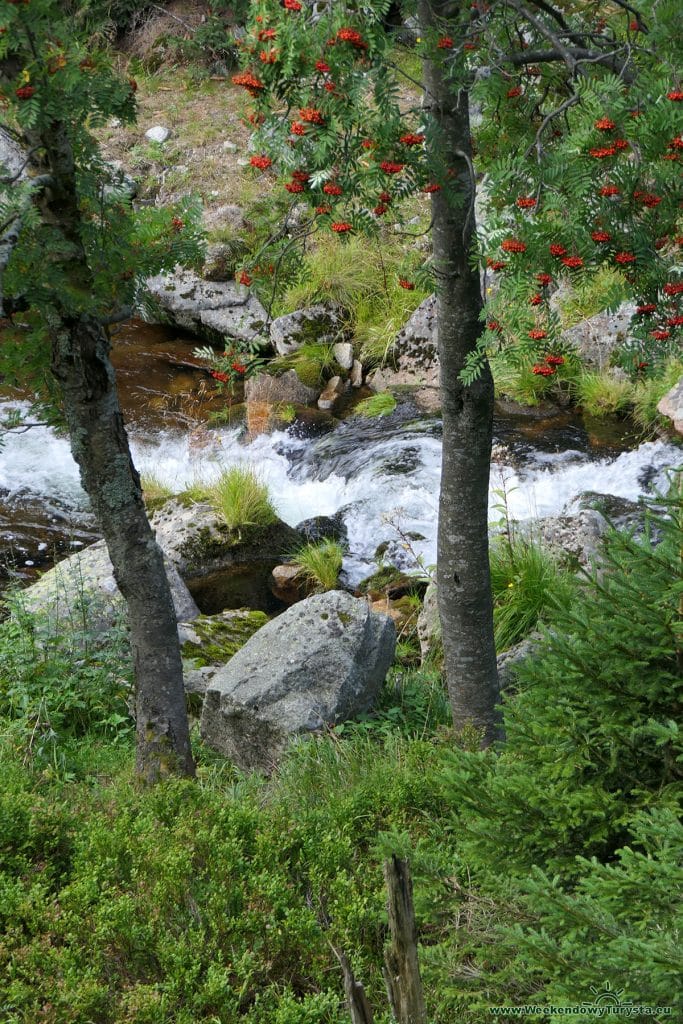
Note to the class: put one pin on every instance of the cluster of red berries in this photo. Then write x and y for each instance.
(25, 92)
(298, 128)
(341, 227)
(673, 288)
(412, 139)
(605, 124)
(548, 367)
(294, 186)
(676, 95)
(445, 43)
(515, 91)
(544, 279)
(249, 82)
(291, 5)
(332, 189)
(322, 66)
(573, 262)
(350, 35)
(496, 264)
(609, 190)
(624, 258)
(647, 307)
(405, 283)
(311, 115)
(513, 245)
(648, 199)
(536, 333)
(526, 202)
(557, 250)
(268, 56)
(600, 236)
(262, 162)
(380, 209)
(431, 188)
(536, 300)
(391, 167)
(244, 278)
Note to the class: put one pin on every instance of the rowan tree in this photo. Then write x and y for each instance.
(72, 254)
(576, 133)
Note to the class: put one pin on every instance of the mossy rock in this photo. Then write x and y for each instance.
(220, 636)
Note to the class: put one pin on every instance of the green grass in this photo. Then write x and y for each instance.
(319, 564)
(242, 499)
(528, 584)
(601, 394)
(381, 404)
(366, 287)
(154, 491)
(313, 362)
(649, 392)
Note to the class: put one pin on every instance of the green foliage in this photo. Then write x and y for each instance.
(381, 404)
(57, 685)
(242, 499)
(528, 586)
(239, 361)
(602, 394)
(313, 361)
(319, 564)
(540, 870)
(55, 82)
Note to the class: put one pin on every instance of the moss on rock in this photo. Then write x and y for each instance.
(220, 636)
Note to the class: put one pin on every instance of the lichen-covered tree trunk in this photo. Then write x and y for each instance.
(81, 364)
(463, 574)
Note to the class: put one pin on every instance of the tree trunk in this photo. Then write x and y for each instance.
(81, 364)
(463, 574)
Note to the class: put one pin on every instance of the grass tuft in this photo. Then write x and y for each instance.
(242, 499)
(319, 564)
(527, 583)
(382, 404)
(154, 491)
(601, 394)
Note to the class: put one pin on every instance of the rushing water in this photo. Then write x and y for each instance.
(382, 475)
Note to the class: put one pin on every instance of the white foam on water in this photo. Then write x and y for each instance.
(38, 462)
(381, 499)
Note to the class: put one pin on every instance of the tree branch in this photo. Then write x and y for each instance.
(544, 31)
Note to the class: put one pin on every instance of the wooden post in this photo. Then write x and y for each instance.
(401, 971)
(356, 999)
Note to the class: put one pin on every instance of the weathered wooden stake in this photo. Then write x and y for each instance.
(356, 999)
(401, 971)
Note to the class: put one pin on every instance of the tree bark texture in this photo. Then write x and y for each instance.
(402, 971)
(81, 364)
(463, 573)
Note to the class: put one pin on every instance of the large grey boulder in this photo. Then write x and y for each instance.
(208, 308)
(81, 592)
(321, 324)
(577, 536)
(671, 406)
(416, 360)
(597, 337)
(319, 663)
(429, 624)
(222, 568)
